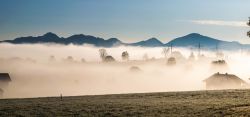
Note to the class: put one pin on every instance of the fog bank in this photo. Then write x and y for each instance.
(34, 74)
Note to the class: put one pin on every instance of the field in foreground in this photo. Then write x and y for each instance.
(195, 103)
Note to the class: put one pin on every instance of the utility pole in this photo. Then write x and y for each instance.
(217, 49)
(171, 48)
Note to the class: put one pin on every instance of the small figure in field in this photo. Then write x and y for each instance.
(1, 93)
(61, 97)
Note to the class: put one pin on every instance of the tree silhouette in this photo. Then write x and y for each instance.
(248, 23)
(165, 52)
(52, 58)
(103, 54)
(83, 60)
(109, 59)
(70, 59)
(125, 56)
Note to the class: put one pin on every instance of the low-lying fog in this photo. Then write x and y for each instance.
(35, 73)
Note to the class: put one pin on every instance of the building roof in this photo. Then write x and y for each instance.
(5, 77)
(217, 77)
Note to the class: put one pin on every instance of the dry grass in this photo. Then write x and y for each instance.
(195, 103)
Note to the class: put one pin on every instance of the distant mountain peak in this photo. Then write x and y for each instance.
(50, 35)
(113, 39)
(194, 35)
(190, 40)
(153, 39)
(152, 42)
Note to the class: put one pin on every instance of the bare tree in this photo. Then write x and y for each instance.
(125, 56)
(103, 54)
(165, 52)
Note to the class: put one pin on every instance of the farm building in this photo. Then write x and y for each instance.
(224, 81)
(4, 81)
(4, 78)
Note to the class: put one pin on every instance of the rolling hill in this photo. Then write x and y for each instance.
(190, 40)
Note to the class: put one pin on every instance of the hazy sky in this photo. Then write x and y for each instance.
(128, 20)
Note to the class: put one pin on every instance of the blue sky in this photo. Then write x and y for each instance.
(128, 20)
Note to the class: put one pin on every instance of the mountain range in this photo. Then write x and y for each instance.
(190, 40)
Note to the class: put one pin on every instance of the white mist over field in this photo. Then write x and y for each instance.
(34, 75)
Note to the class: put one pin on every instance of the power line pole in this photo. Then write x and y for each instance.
(171, 48)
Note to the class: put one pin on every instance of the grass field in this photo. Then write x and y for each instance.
(194, 103)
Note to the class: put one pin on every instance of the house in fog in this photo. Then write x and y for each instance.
(224, 81)
(4, 81)
(4, 78)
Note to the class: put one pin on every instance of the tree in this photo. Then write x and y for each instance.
(103, 54)
(83, 60)
(109, 59)
(165, 52)
(125, 56)
(70, 59)
(248, 23)
(52, 58)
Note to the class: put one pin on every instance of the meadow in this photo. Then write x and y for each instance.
(189, 103)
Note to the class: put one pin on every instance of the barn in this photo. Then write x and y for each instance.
(5, 77)
(224, 81)
(4, 81)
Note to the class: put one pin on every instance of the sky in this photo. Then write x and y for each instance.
(127, 20)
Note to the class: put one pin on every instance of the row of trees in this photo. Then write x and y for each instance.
(125, 55)
(52, 58)
(108, 58)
